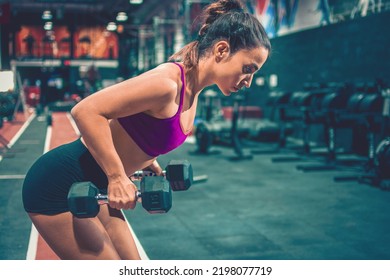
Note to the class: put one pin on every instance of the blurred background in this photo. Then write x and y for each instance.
(322, 98)
(61, 48)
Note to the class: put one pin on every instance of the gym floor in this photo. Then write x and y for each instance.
(249, 209)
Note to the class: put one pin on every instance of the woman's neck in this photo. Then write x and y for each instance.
(199, 77)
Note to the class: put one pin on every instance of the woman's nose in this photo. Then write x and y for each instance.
(248, 81)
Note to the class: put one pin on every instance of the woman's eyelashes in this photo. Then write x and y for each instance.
(249, 69)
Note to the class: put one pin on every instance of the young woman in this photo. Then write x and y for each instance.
(125, 128)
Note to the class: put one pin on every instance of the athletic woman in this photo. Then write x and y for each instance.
(125, 127)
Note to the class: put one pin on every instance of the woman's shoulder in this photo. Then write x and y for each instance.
(165, 75)
(170, 69)
(169, 74)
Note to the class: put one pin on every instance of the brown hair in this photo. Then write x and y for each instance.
(224, 20)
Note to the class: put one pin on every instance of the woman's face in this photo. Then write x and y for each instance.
(236, 71)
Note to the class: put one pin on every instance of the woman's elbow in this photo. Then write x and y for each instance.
(75, 111)
(84, 111)
(79, 110)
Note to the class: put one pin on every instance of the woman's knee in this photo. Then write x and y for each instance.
(73, 238)
(119, 231)
(90, 235)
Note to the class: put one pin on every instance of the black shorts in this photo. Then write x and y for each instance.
(47, 183)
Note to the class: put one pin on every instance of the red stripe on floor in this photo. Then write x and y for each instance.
(11, 128)
(62, 132)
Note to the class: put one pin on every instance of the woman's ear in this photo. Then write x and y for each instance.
(221, 50)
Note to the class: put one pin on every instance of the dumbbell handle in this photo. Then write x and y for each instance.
(103, 198)
(137, 175)
(142, 173)
(200, 179)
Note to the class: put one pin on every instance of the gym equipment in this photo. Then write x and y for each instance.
(49, 118)
(361, 108)
(179, 174)
(209, 133)
(209, 113)
(235, 138)
(84, 199)
(223, 132)
(209, 104)
(382, 159)
(8, 109)
(386, 112)
(279, 126)
(332, 107)
(279, 101)
(8, 102)
(307, 106)
(379, 173)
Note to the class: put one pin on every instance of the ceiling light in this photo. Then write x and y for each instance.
(111, 26)
(122, 16)
(46, 15)
(135, 2)
(48, 25)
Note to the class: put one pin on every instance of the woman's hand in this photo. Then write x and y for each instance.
(155, 167)
(122, 193)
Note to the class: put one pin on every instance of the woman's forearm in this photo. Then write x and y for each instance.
(96, 134)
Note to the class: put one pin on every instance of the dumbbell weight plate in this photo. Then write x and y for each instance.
(354, 101)
(334, 101)
(84, 199)
(371, 103)
(179, 173)
(159, 194)
(382, 158)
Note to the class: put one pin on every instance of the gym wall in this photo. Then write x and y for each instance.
(355, 50)
(351, 51)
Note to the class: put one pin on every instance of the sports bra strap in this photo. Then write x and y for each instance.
(183, 81)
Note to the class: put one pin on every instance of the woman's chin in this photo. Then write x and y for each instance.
(226, 92)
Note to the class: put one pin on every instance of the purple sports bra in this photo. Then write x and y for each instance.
(153, 135)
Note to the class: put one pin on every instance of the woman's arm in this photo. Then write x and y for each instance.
(148, 92)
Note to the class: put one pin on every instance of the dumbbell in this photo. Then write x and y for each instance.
(84, 199)
(179, 174)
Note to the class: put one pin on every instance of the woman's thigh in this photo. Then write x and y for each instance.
(118, 229)
(73, 238)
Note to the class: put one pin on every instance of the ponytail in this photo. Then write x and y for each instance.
(188, 55)
(223, 19)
